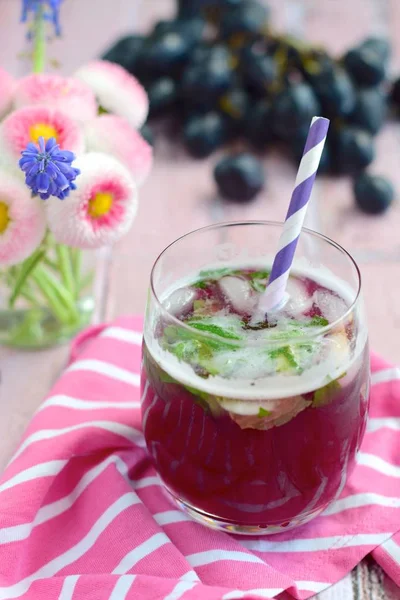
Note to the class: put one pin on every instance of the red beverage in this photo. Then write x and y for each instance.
(254, 421)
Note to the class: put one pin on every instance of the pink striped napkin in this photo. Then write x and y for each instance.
(83, 516)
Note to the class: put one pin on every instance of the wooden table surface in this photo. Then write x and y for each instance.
(180, 196)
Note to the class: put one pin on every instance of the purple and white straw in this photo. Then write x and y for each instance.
(275, 291)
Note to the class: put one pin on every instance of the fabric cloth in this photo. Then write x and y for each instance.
(83, 515)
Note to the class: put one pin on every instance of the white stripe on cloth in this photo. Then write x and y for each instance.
(122, 587)
(199, 559)
(310, 586)
(261, 593)
(392, 549)
(359, 500)
(385, 375)
(180, 588)
(190, 576)
(47, 469)
(105, 368)
(171, 516)
(68, 587)
(124, 335)
(74, 553)
(378, 464)
(380, 423)
(129, 433)
(138, 484)
(80, 404)
(141, 551)
(315, 544)
(47, 512)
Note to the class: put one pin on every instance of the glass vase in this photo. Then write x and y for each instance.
(51, 296)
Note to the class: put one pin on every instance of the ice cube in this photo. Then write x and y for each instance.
(331, 306)
(180, 302)
(239, 293)
(299, 300)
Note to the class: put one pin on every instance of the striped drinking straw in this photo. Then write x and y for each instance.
(275, 290)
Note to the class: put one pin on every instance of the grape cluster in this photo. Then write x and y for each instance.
(220, 71)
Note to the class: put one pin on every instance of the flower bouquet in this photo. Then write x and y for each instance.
(71, 160)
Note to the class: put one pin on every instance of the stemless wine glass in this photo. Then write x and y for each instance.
(225, 458)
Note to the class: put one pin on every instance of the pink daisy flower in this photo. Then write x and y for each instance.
(67, 94)
(102, 208)
(32, 122)
(112, 135)
(22, 220)
(116, 90)
(7, 85)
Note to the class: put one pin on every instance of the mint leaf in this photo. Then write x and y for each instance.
(201, 284)
(285, 358)
(317, 321)
(325, 394)
(258, 280)
(263, 413)
(215, 329)
(215, 273)
(259, 275)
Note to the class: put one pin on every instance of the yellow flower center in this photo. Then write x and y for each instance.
(100, 204)
(4, 217)
(42, 130)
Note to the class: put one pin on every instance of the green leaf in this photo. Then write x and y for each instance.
(28, 267)
(263, 413)
(285, 358)
(215, 329)
(317, 321)
(258, 280)
(259, 275)
(201, 284)
(325, 394)
(216, 273)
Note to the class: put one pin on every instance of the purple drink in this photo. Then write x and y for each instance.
(254, 423)
(253, 420)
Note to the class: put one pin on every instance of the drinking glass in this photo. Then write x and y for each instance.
(220, 464)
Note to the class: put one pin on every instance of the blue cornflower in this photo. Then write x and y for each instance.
(48, 170)
(50, 14)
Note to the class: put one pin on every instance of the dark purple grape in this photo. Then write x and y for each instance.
(395, 94)
(292, 109)
(239, 177)
(353, 149)
(370, 110)
(373, 194)
(336, 93)
(258, 125)
(202, 134)
(126, 52)
(365, 65)
(234, 105)
(205, 82)
(162, 96)
(259, 71)
(248, 18)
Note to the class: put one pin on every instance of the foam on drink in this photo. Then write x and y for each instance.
(247, 373)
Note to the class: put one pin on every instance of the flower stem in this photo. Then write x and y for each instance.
(65, 266)
(62, 301)
(39, 41)
(50, 296)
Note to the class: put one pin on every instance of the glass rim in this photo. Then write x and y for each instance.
(319, 331)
